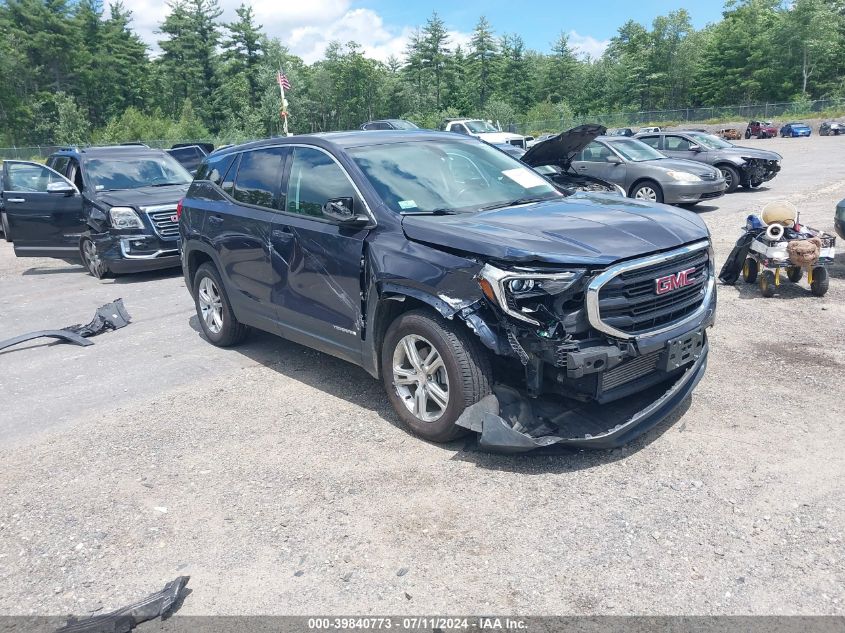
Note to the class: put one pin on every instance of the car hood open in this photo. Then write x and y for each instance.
(143, 196)
(561, 150)
(584, 229)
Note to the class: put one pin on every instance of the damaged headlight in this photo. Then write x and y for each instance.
(511, 288)
(125, 218)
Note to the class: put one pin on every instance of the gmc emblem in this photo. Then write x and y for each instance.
(672, 282)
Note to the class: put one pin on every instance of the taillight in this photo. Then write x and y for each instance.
(179, 209)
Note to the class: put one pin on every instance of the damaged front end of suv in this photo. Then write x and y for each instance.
(591, 348)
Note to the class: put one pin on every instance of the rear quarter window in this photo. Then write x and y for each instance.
(214, 168)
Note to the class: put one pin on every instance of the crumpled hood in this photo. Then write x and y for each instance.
(751, 152)
(584, 229)
(143, 197)
(499, 137)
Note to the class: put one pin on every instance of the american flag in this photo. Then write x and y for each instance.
(282, 80)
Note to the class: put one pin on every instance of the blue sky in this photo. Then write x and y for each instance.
(382, 27)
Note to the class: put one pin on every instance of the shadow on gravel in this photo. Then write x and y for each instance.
(699, 208)
(80, 269)
(351, 383)
(133, 278)
(786, 291)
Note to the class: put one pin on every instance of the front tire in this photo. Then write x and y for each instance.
(433, 370)
(749, 270)
(794, 274)
(731, 176)
(92, 259)
(7, 232)
(214, 311)
(649, 191)
(767, 283)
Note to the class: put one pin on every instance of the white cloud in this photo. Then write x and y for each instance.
(306, 28)
(586, 44)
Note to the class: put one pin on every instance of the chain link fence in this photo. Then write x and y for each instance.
(715, 114)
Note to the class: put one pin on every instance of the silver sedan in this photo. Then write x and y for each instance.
(646, 174)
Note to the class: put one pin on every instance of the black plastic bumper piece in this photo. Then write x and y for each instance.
(158, 604)
(509, 422)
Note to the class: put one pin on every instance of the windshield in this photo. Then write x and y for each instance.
(477, 127)
(636, 151)
(133, 172)
(709, 141)
(448, 176)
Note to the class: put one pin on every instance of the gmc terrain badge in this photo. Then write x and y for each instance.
(673, 282)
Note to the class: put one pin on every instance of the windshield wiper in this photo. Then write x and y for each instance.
(518, 201)
(167, 184)
(431, 212)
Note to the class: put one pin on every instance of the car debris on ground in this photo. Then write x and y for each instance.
(111, 316)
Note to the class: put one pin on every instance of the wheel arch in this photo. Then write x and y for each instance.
(643, 180)
(196, 257)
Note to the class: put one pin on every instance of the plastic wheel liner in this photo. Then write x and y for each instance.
(111, 316)
(510, 422)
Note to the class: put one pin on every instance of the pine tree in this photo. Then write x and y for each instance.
(435, 52)
(482, 57)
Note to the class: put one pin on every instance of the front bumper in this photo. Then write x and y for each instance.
(500, 417)
(130, 253)
(686, 192)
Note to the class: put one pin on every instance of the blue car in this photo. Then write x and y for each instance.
(795, 129)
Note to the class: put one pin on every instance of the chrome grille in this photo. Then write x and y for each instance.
(628, 302)
(164, 221)
(630, 370)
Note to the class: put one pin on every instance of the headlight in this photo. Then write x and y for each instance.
(125, 218)
(509, 288)
(682, 176)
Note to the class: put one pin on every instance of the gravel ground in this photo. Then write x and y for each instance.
(280, 480)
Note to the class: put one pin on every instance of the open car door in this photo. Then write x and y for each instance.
(44, 211)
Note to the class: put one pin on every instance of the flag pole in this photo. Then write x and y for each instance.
(284, 111)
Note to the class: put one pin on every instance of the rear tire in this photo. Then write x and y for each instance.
(423, 351)
(821, 281)
(731, 177)
(214, 311)
(767, 283)
(749, 270)
(647, 190)
(794, 274)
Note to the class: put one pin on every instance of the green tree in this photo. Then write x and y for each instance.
(483, 52)
(435, 52)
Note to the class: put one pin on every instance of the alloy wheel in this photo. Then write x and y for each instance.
(93, 261)
(729, 179)
(211, 305)
(420, 378)
(646, 193)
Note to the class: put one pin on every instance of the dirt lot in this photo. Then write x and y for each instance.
(279, 479)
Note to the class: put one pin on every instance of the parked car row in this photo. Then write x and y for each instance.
(765, 129)
(479, 291)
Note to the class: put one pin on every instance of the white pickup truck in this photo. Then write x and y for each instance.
(484, 130)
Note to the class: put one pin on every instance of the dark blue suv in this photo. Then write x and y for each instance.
(483, 296)
(112, 207)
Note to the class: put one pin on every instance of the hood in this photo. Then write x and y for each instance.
(498, 137)
(679, 164)
(583, 229)
(143, 196)
(750, 152)
(560, 150)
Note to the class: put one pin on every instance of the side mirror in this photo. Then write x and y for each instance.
(61, 188)
(340, 210)
(613, 160)
(695, 148)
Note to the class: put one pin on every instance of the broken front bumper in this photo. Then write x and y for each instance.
(510, 422)
(136, 252)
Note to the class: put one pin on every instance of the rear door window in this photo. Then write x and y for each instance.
(677, 144)
(259, 177)
(654, 141)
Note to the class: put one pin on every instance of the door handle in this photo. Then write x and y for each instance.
(16, 200)
(215, 219)
(581, 167)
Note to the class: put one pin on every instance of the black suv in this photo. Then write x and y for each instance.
(484, 297)
(113, 207)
